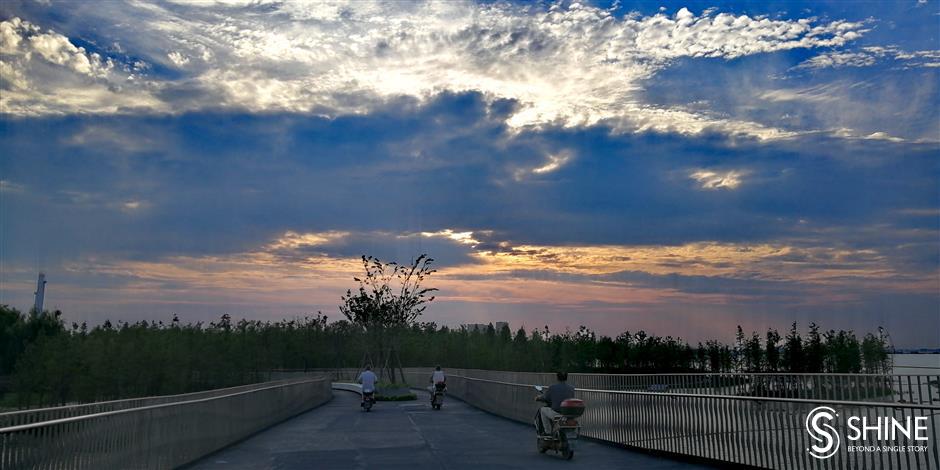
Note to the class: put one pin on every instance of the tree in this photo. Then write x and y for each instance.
(720, 357)
(793, 360)
(772, 352)
(520, 348)
(390, 298)
(539, 350)
(842, 352)
(622, 354)
(814, 350)
(753, 354)
(874, 354)
(701, 357)
(12, 341)
(585, 349)
(739, 345)
(607, 354)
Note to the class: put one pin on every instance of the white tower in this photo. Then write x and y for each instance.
(40, 292)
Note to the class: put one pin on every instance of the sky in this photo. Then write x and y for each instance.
(679, 168)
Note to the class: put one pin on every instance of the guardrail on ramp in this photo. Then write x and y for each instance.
(158, 436)
(761, 432)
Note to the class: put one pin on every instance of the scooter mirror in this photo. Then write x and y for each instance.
(538, 388)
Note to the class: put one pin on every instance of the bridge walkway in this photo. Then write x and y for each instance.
(399, 435)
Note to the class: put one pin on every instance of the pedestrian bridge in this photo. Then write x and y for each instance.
(410, 435)
(632, 421)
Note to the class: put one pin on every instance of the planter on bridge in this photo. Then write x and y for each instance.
(394, 392)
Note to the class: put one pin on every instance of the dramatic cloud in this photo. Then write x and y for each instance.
(570, 64)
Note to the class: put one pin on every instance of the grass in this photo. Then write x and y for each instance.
(397, 387)
(408, 397)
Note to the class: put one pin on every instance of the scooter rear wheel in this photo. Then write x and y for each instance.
(568, 454)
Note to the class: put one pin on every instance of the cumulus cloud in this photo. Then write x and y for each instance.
(43, 72)
(551, 164)
(883, 136)
(869, 56)
(463, 238)
(717, 180)
(568, 64)
(178, 59)
(21, 41)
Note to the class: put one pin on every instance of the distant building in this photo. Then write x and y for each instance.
(482, 326)
(40, 293)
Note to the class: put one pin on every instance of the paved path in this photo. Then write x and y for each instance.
(411, 435)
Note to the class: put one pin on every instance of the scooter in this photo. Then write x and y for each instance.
(565, 427)
(437, 395)
(368, 399)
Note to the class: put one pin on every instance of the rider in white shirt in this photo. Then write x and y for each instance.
(368, 379)
(437, 377)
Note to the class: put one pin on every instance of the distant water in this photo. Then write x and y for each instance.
(924, 364)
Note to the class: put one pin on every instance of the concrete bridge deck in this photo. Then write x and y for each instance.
(398, 435)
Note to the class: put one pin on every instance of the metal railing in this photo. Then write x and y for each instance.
(35, 415)
(907, 388)
(882, 388)
(160, 435)
(766, 432)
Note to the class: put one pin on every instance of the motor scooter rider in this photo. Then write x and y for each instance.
(368, 379)
(552, 397)
(437, 377)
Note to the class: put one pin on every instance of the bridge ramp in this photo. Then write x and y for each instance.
(399, 435)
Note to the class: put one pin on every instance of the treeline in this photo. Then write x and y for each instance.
(53, 363)
(584, 351)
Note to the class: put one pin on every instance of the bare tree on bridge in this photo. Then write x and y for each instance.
(390, 298)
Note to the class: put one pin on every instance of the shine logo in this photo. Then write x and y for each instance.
(866, 433)
(826, 437)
